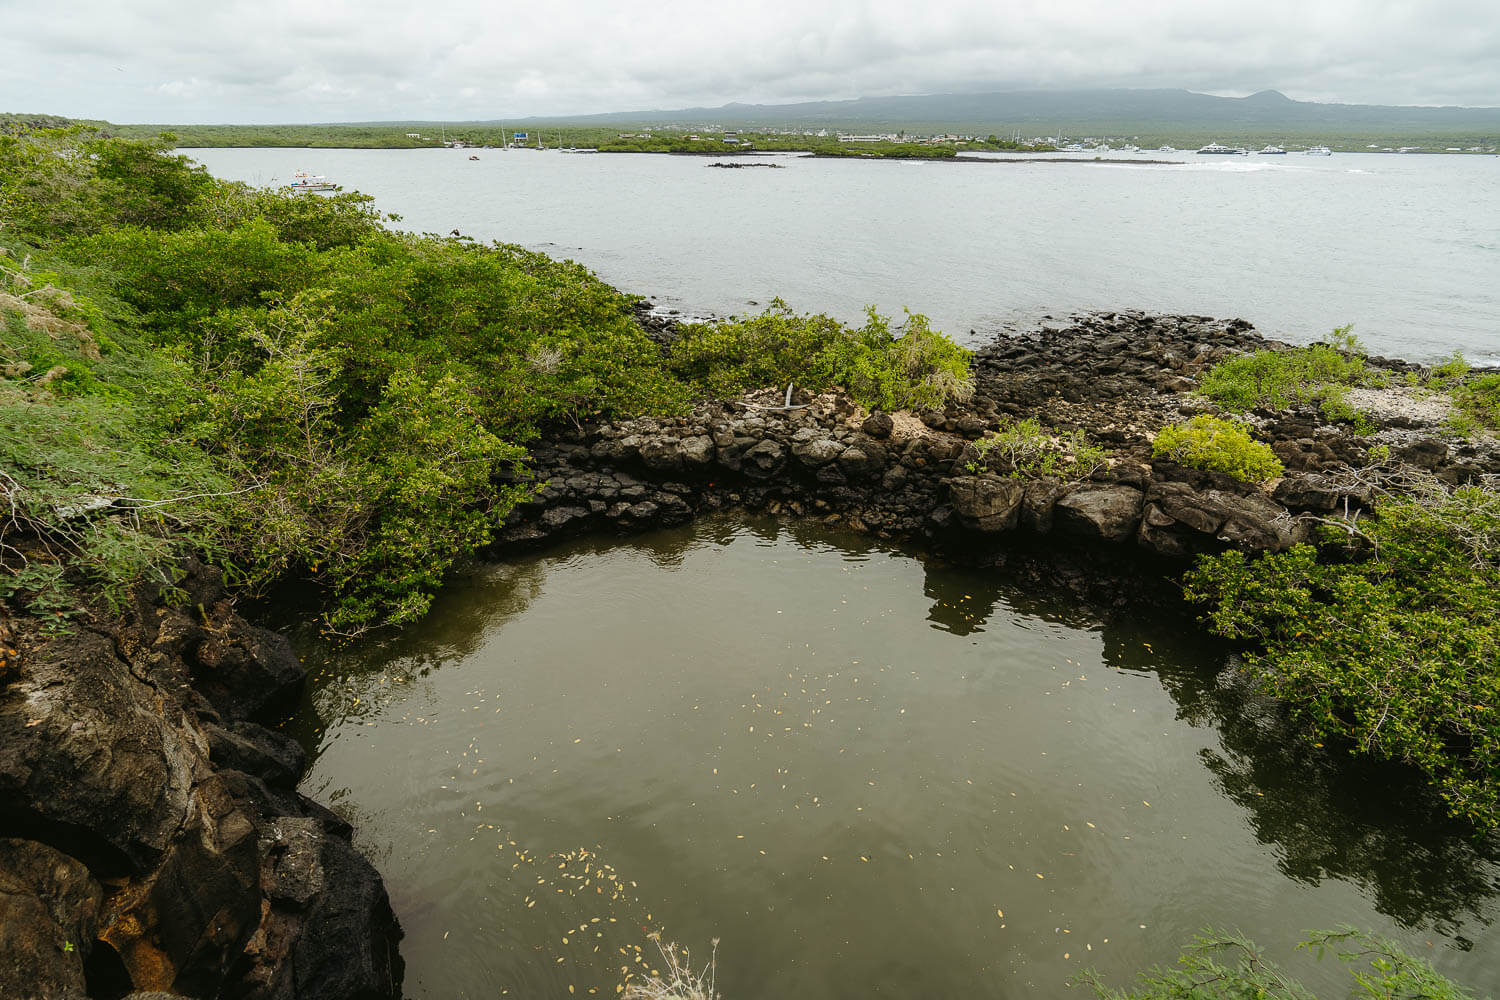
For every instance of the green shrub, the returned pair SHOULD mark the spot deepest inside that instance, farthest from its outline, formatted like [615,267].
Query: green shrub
[1395,653]
[95,495]
[1024,448]
[910,366]
[1320,373]
[63,182]
[1220,965]
[285,385]
[1446,376]
[1479,400]
[1218,445]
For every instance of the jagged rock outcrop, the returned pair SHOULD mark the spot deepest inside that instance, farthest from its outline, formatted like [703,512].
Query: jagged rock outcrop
[50,905]
[153,837]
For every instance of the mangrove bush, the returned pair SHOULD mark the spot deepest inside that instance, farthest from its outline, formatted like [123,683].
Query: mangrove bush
[291,387]
[1388,642]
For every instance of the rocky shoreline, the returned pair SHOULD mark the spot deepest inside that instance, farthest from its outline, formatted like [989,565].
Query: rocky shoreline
[152,839]
[1120,377]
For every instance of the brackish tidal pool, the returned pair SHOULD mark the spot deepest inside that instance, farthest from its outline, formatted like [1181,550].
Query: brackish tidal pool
[865,773]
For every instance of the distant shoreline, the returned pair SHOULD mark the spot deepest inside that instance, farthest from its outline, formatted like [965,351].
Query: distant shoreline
[804,154]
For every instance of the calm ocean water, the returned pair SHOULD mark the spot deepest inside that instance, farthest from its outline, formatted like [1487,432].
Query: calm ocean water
[1405,247]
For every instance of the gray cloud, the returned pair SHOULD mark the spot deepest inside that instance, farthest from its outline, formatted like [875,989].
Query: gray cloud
[285,61]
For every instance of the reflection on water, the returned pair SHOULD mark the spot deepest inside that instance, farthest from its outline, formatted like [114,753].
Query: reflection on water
[1337,816]
[865,773]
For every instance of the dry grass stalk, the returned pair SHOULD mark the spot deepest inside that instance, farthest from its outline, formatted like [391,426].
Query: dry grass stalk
[676,980]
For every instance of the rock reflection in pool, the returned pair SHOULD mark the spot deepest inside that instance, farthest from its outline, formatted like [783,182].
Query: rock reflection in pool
[865,774]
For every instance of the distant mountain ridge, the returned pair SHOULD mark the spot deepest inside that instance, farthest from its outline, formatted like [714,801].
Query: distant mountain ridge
[1063,109]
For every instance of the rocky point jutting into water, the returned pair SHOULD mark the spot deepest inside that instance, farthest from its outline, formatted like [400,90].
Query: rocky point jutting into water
[1120,377]
[152,838]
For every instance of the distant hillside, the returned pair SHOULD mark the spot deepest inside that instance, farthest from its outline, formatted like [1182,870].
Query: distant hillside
[1082,111]
[1149,117]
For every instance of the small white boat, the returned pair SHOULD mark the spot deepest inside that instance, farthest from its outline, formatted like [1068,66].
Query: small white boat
[1319,151]
[1166,149]
[304,181]
[1273,151]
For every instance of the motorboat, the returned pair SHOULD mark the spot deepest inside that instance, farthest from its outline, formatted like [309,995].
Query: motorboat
[1273,151]
[304,181]
[1214,149]
[1319,151]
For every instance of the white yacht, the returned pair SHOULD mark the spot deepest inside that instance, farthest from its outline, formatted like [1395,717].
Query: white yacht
[1214,149]
[304,181]
[1273,151]
[1319,151]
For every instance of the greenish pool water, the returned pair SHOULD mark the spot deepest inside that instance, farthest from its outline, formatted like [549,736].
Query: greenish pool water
[866,774]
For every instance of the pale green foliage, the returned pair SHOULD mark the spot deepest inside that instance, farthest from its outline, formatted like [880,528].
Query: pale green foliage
[1024,448]
[380,507]
[1479,400]
[905,367]
[85,482]
[1321,373]
[1218,445]
[1449,374]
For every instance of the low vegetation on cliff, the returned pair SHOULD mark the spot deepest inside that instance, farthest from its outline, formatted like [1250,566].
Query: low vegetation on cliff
[297,390]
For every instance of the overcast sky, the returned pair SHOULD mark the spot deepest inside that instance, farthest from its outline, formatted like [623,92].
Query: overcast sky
[347,60]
